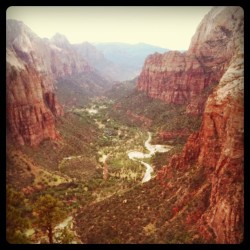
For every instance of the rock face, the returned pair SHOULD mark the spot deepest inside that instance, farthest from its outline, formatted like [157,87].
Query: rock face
[55,57]
[224,151]
[218,145]
[33,64]
[25,120]
[180,78]
[31,105]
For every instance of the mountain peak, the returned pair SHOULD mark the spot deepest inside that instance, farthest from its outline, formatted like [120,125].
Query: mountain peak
[60,40]
[16,29]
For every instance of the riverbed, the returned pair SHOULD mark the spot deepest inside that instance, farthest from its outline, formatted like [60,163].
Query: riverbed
[133,155]
[136,155]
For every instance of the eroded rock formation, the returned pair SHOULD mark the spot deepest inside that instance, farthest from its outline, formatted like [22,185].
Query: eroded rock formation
[33,64]
[30,114]
[218,146]
[181,78]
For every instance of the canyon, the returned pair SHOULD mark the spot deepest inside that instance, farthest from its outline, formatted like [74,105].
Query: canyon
[66,117]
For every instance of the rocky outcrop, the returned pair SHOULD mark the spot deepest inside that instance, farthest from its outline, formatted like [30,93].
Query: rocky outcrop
[33,66]
[218,146]
[97,60]
[179,78]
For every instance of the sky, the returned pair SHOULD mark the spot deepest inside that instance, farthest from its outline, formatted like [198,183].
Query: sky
[167,27]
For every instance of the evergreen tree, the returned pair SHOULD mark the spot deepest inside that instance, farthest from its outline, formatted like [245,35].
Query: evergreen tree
[49,212]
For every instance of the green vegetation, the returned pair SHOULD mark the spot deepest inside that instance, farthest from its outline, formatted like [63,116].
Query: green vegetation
[77,90]
[77,137]
[95,137]
[119,90]
[18,165]
[148,213]
[16,217]
[169,117]
[49,212]
[65,236]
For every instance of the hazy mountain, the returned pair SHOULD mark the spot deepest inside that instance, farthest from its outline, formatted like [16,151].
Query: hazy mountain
[97,60]
[127,58]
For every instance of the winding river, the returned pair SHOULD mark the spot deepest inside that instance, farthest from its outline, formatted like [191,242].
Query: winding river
[133,155]
[136,155]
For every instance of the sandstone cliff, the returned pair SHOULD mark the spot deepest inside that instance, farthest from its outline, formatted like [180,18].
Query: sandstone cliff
[33,64]
[30,112]
[218,146]
[181,78]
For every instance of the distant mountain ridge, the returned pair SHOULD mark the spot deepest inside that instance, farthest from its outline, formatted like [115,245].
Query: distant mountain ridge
[121,52]
[129,57]
[116,61]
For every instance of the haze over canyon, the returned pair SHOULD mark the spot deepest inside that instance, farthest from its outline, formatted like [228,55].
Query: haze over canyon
[117,143]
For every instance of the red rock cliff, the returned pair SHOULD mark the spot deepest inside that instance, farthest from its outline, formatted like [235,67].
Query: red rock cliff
[218,145]
[30,111]
[32,66]
[180,78]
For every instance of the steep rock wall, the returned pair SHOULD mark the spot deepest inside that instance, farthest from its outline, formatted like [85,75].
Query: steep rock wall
[30,116]
[219,149]
[179,78]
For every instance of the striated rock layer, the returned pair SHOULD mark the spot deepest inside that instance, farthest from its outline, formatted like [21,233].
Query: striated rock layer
[180,78]
[30,108]
[218,145]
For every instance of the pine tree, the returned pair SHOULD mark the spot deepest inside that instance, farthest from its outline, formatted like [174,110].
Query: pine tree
[49,212]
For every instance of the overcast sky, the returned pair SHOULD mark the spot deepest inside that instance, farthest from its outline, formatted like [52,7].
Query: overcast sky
[168,27]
